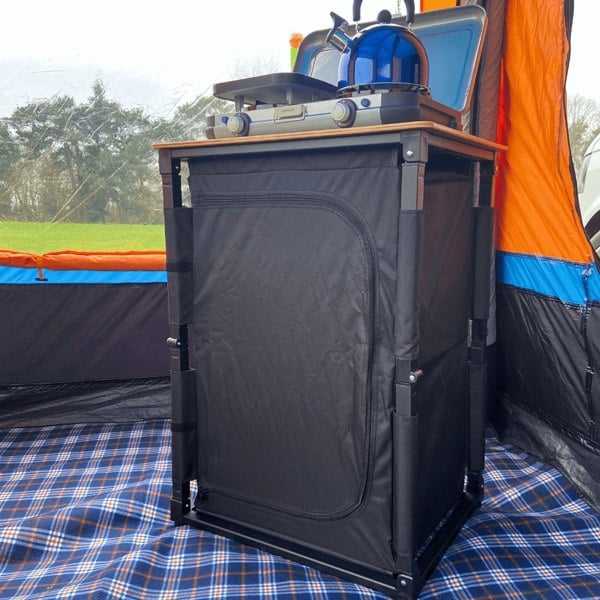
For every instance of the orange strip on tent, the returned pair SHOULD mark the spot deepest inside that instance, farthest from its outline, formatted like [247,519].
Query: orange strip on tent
[68,260]
[536,193]
[18,259]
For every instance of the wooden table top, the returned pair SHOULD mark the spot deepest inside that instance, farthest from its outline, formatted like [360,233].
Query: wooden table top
[427,126]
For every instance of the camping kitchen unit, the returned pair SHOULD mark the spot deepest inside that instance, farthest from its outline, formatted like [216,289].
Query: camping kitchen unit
[328,297]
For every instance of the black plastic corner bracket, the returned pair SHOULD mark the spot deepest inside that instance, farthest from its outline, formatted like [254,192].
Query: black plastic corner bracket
[180,502]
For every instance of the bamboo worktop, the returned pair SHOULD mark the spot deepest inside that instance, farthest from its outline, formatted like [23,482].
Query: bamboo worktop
[428,126]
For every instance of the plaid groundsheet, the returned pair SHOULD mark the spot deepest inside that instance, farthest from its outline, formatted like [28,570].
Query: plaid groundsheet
[84,514]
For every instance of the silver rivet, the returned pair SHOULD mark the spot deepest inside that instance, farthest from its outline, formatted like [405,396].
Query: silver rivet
[410,153]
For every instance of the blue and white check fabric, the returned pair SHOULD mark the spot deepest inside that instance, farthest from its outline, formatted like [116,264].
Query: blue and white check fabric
[84,514]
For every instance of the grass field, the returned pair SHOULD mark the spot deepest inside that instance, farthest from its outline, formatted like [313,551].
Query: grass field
[39,238]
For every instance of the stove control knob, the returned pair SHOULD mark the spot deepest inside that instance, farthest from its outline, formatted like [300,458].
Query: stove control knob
[344,112]
[239,124]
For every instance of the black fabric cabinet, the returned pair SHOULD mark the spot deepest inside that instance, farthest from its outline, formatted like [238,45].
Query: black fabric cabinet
[328,299]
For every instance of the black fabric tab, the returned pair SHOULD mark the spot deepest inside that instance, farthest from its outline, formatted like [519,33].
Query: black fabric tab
[183,427]
[181,266]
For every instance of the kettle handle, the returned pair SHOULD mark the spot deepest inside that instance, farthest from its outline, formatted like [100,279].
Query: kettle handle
[410,11]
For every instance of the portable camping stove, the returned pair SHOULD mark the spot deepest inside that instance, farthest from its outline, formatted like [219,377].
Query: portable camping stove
[292,102]
[308,98]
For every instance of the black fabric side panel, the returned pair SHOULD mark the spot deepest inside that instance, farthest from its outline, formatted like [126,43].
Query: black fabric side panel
[37,406]
[446,273]
[580,463]
[542,359]
[443,397]
[445,292]
[67,333]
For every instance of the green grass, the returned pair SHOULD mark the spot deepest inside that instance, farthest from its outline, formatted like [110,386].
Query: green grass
[39,238]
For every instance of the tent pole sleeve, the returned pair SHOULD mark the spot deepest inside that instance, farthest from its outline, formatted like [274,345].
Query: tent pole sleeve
[183,441]
[405,414]
[484,226]
[405,443]
[414,157]
[477,389]
[178,236]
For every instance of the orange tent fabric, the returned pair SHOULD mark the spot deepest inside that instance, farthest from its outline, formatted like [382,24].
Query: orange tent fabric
[536,193]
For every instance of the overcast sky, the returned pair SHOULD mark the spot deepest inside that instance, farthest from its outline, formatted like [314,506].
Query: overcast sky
[159,54]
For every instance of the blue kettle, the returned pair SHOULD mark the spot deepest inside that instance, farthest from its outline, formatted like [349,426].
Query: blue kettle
[384,56]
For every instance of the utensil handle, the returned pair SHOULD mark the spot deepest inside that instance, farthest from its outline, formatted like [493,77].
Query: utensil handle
[410,11]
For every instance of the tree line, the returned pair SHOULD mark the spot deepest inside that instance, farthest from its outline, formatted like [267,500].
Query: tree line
[91,161]
[583,116]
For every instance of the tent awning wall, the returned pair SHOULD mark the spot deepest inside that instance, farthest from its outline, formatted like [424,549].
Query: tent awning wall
[536,191]
[549,284]
[85,337]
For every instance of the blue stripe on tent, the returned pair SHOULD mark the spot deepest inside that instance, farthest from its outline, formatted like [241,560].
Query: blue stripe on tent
[18,275]
[572,283]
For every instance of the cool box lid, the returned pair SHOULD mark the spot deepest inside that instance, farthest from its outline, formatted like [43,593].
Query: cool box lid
[453,39]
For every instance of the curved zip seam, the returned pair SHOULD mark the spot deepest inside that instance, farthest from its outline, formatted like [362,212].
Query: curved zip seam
[352,217]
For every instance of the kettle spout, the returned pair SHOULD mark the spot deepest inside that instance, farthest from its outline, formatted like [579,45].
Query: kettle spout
[337,35]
